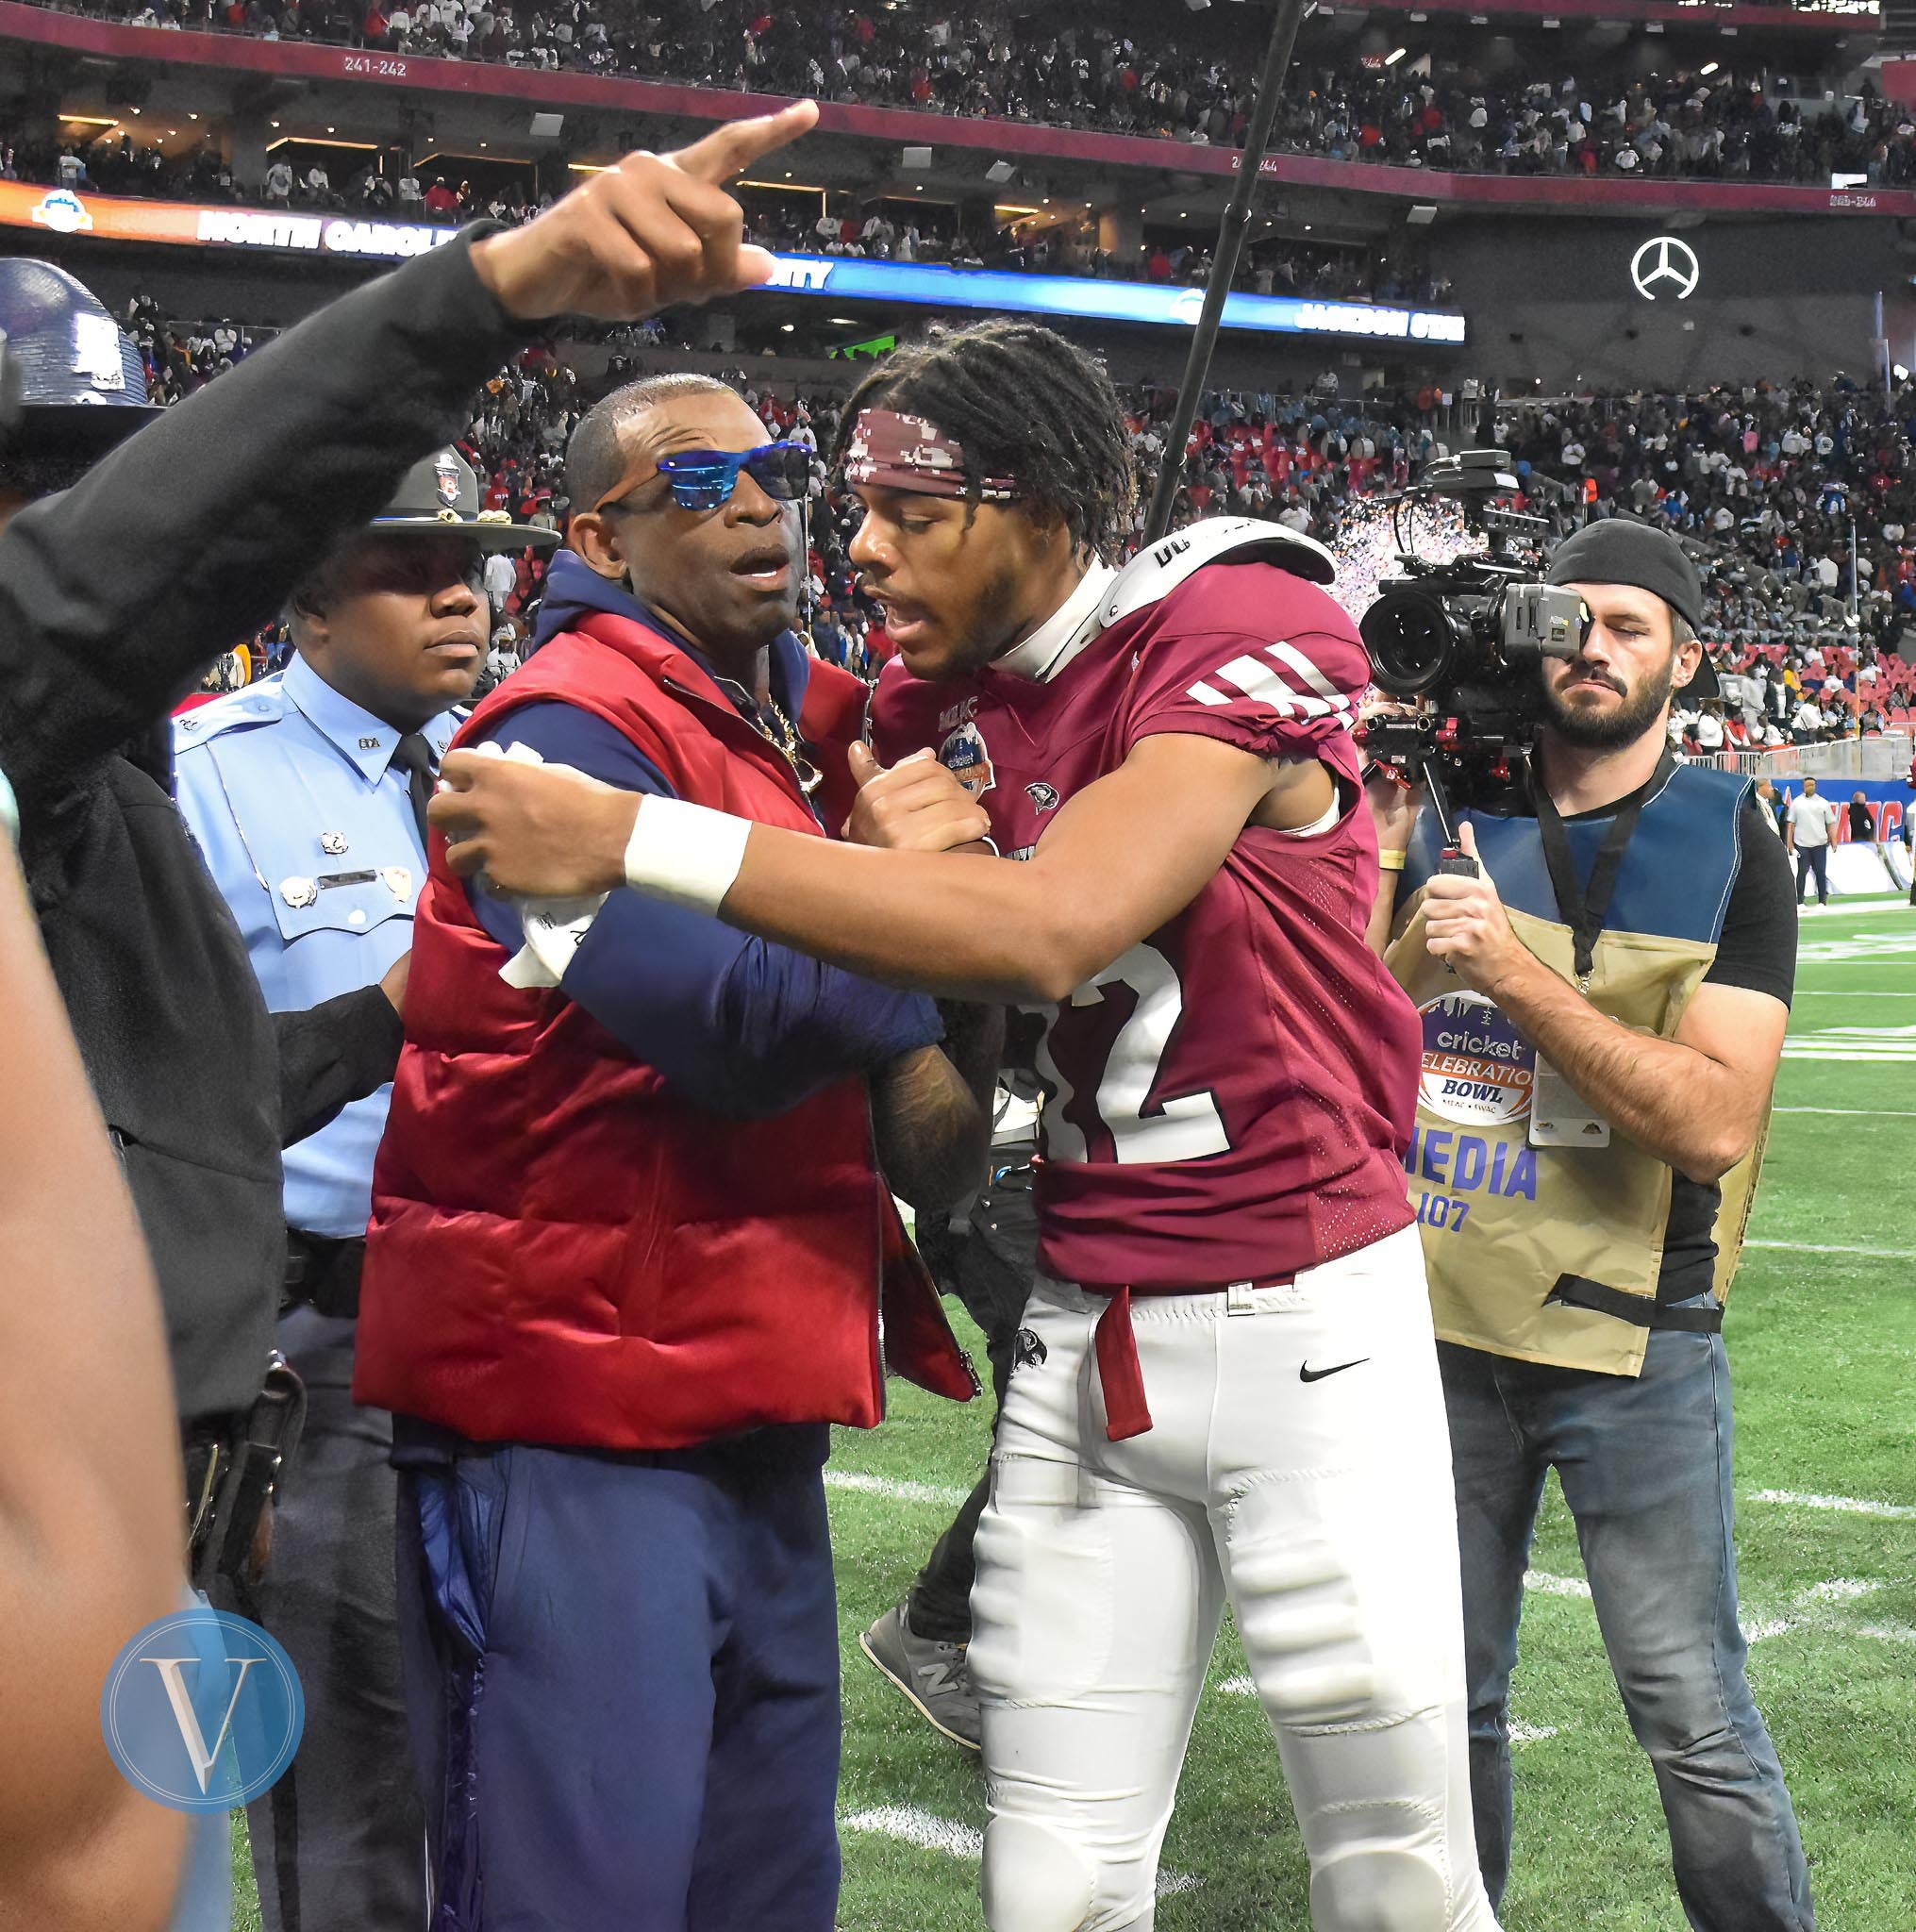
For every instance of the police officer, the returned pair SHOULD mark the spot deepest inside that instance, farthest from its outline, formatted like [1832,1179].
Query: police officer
[117,593]
[198,1088]
[307,794]
[1603,1012]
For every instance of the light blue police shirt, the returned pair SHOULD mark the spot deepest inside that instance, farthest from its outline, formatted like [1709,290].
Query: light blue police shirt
[306,827]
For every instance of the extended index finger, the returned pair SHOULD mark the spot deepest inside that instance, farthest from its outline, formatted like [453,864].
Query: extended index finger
[726,150]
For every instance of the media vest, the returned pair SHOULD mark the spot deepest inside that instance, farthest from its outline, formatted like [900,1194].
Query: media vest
[563,1250]
[1552,1253]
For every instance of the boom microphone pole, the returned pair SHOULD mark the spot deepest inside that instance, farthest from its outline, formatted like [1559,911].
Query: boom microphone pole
[1225,264]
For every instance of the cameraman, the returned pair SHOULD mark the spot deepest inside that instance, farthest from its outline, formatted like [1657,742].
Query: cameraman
[1604,1010]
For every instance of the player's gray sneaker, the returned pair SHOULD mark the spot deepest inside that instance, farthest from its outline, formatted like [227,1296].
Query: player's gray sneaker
[931,1674]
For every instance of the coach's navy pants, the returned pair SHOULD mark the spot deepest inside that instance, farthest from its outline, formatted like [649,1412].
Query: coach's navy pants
[622,1677]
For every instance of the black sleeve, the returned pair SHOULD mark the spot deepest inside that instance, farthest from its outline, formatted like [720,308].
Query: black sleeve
[116,593]
[1757,948]
[340,1051]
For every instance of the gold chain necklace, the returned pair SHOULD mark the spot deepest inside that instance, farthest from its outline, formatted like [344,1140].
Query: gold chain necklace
[785,741]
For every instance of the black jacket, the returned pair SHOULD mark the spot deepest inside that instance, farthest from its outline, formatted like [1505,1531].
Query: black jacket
[114,595]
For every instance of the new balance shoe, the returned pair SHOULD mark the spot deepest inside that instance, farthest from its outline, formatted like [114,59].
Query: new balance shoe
[931,1674]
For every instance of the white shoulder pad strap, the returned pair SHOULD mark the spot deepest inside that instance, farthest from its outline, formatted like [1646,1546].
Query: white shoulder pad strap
[1157,571]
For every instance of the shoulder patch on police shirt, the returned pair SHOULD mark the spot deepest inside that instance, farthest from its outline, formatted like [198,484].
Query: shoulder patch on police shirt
[257,704]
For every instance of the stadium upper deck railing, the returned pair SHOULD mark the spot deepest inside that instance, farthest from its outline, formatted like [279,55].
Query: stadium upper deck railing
[1884,758]
[321,61]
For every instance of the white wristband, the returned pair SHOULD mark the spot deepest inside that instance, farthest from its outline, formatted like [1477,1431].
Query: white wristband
[686,854]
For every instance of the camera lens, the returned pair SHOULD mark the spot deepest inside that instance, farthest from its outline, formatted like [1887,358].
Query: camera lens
[1413,640]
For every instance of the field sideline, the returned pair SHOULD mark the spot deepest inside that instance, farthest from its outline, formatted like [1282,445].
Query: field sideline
[1822,1334]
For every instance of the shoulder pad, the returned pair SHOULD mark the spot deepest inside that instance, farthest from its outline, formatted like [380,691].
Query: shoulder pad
[259,704]
[1158,571]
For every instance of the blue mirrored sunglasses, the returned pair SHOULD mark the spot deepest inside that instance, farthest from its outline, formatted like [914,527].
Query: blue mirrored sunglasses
[705,479]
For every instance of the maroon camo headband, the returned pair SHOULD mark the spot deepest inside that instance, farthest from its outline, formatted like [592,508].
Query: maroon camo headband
[890,451]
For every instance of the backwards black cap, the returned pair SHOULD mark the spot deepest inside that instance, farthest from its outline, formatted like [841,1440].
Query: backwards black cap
[1620,550]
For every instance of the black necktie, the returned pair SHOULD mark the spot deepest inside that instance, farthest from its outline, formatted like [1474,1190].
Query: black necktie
[413,755]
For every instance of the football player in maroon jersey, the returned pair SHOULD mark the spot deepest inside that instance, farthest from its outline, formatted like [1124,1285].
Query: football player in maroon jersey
[1236,1397]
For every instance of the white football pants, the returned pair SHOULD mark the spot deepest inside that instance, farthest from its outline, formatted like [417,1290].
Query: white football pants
[1322,1507]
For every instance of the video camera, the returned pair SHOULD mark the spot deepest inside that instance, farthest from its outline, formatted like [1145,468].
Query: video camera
[1466,639]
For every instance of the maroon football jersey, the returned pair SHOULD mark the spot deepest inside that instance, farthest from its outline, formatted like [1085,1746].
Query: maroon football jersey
[1229,1101]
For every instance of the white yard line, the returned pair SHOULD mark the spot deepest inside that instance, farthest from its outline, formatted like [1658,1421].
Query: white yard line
[925,1829]
[912,1825]
[1856,1113]
[1886,1633]
[1849,1505]
[1546,1585]
[900,1491]
[1837,1248]
[1809,1609]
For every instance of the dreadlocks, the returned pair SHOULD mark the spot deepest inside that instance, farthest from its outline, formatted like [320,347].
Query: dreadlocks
[1026,403]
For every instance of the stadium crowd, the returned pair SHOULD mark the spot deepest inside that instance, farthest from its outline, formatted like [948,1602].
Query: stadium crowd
[1277,266]
[116,164]
[1771,485]
[1800,503]
[357,1256]
[1431,112]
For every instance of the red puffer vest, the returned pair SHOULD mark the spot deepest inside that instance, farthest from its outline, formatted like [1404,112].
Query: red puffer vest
[563,1250]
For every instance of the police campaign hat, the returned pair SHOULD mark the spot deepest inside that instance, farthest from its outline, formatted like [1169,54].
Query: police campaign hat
[74,384]
[441,494]
[1620,550]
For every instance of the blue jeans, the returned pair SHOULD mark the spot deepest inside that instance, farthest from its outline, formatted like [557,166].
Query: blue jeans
[1645,1462]
[1813,861]
[622,1675]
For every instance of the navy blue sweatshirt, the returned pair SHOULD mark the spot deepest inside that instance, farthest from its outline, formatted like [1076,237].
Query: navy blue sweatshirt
[739,1026]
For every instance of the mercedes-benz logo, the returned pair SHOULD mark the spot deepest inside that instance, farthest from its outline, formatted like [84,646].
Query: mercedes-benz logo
[1665,260]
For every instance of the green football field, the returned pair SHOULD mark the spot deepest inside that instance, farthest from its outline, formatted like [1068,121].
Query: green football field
[1822,1334]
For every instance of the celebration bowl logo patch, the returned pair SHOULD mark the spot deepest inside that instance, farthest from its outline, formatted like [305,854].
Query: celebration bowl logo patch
[964,756]
[1478,1070]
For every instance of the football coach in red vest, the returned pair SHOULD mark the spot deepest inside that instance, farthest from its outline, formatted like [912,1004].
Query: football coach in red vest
[630,1242]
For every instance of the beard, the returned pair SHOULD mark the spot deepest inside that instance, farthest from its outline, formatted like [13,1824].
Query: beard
[1641,708]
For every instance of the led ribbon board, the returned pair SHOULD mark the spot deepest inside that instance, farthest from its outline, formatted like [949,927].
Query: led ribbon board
[851,277]
[66,212]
